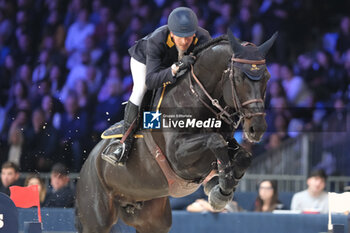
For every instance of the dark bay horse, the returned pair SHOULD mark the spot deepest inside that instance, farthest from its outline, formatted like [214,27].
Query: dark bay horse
[227,83]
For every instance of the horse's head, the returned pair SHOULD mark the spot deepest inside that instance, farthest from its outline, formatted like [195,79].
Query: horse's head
[245,85]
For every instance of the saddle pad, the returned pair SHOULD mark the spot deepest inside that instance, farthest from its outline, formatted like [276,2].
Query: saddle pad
[116,131]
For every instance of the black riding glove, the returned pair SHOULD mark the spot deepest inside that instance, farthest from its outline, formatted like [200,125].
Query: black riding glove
[180,73]
[186,62]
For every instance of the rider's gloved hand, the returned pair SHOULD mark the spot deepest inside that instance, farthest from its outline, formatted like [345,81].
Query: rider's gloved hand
[186,62]
[180,73]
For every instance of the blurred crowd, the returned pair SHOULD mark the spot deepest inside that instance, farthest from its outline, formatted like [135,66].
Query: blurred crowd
[65,72]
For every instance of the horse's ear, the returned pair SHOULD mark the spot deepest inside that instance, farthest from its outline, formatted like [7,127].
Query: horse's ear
[265,47]
[235,44]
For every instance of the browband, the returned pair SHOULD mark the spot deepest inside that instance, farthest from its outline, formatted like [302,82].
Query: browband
[246,61]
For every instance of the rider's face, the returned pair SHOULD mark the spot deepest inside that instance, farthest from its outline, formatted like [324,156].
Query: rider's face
[182,43]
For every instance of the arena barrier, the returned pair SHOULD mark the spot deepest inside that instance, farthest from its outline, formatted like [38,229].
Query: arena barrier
[249,182]
[62,220]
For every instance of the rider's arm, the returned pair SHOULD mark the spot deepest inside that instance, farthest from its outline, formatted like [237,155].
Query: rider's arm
[156,74]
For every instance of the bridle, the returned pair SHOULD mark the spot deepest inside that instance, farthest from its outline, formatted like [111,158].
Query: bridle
[235,118]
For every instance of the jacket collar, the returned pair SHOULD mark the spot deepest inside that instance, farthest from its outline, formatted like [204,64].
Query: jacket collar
[170,43]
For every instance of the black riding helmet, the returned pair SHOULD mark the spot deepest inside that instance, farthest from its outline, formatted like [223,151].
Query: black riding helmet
[183,22]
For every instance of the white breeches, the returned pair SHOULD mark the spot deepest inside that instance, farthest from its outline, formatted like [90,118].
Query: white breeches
[138,72]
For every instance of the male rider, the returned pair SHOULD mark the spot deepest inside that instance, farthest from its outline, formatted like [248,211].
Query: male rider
[156,60]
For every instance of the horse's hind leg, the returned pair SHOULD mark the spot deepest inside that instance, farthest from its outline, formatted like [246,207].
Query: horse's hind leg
[154,217]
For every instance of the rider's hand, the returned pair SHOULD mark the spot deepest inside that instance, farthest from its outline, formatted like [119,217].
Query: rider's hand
[180,73]
[186,62]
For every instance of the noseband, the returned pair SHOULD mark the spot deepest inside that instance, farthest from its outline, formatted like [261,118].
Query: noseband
[235,118]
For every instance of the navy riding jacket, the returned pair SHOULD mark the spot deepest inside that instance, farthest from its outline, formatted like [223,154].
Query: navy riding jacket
[158,51]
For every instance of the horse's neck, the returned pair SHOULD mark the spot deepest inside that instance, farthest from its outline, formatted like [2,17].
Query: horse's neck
[210,66]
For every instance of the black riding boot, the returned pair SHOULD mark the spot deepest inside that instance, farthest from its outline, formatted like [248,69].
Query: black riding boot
[120,154]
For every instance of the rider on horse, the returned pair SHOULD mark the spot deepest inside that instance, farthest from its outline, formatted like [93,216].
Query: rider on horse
[158,59]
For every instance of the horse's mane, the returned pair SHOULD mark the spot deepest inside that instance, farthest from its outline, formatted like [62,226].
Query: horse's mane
[211,42]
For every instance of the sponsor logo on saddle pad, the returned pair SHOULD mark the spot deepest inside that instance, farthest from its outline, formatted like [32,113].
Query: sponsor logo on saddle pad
[155,120]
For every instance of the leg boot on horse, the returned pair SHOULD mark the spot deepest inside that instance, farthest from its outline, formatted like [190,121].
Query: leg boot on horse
[221,187]
[120,154]
[241,159]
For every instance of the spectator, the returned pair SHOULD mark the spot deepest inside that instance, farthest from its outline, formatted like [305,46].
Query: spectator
[54,27]
[59,194]
[343,42]
[244,24]
[16,136]
[86,101]
[78,32]
[41,70]
[94,80]
[25,75]
[274,141]
[39,90]
[7,73]
[77,72]
[297,92]
[41,144]
[18,95]
[72,132]
[15,140]
[314,198]
[113,74]
[73,10]
[35,179]
[267,199]
[104,15]
[6,26]
[24,52]
[57,54]
[51,107]
[56,76]
[110,109]
[9,177]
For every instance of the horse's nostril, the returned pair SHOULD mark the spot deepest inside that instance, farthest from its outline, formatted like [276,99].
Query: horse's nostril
[251,130]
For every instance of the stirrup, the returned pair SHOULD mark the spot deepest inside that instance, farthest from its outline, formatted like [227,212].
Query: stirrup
[111,156]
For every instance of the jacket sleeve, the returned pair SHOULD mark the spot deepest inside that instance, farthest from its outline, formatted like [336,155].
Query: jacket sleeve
[156,75]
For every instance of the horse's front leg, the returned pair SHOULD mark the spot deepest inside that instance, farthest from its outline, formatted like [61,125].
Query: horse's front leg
[240,157]
[221,193]
[191,148]
[230,171]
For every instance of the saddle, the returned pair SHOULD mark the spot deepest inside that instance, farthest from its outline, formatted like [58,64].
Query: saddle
[116,131]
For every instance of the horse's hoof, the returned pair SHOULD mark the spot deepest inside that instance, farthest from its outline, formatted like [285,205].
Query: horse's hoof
[218,200]
[210,184]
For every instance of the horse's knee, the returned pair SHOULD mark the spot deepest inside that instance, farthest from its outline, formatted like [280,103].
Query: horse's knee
[242,158]
[216,141]
[239,156]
